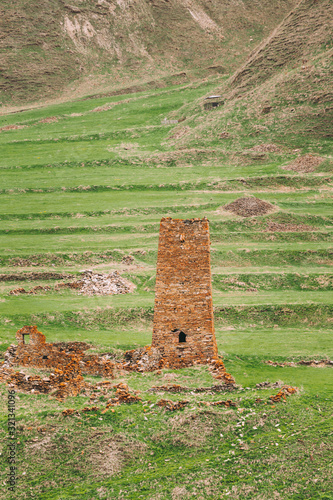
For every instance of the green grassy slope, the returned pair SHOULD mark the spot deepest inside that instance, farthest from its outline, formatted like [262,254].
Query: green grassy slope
[85,189]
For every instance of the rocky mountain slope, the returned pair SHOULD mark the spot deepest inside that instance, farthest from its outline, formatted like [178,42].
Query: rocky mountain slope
[87,46]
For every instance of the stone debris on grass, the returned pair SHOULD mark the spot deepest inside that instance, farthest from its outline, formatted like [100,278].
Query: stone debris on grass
[177,405]
[104,284]
[127,259]
[35,290]
[123,396]
[90,283]
[285,391]
[228,403]
[269,385]
[218,371]
[304,164]
[171,405]
[249,207]
[312,362]
[176,388]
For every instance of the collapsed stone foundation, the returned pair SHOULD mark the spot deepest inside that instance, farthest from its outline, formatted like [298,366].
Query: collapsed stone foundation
[62,383]
[40,354]
[66,360]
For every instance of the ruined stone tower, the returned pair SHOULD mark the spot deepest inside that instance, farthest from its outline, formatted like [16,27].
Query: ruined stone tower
[183,317]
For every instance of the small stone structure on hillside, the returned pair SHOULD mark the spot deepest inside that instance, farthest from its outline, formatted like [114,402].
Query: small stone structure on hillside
[213,101]
[183,329]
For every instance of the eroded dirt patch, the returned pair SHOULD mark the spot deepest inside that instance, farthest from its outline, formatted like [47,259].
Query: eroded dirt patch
[279,227]
[32,276]
[49,119]
[12,127]
[266,148]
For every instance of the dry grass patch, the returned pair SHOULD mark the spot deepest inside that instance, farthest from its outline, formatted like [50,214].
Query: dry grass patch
[304,164]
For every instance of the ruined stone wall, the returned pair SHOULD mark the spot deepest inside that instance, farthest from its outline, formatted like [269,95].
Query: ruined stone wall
[32,350]
[62,383]
[183,316]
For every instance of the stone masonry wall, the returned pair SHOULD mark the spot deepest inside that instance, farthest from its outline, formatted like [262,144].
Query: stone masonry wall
[183,316]
[33,350]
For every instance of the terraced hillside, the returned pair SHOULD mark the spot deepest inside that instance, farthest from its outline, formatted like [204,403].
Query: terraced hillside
[84,186]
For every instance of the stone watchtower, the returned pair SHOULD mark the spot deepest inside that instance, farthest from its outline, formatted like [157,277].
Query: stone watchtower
[183,316]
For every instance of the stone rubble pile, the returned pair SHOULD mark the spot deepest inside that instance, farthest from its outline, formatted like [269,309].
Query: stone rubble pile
[64,382]
[104,284]
[286,390]
[143,359]
[171,405]
[90,283]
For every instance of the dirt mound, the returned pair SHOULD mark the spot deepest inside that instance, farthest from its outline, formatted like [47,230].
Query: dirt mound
[249,207]
[266,148]
[304,164]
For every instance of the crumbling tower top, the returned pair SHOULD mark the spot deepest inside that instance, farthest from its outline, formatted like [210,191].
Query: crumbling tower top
[183,316]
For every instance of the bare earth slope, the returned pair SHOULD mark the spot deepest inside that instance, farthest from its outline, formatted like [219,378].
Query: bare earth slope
[301,36]
[284,88]
[46,45]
